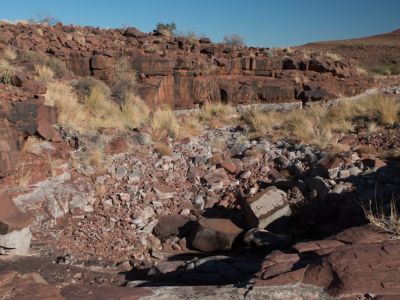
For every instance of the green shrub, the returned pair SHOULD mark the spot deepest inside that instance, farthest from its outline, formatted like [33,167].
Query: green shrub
[166,28]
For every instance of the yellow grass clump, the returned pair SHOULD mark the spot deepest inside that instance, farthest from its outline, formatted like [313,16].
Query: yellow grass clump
[134,111]
[6,71]
[332,55]
[44,73]
[215,114]
[165,119]
[387,220]
[72,113]
[9,54]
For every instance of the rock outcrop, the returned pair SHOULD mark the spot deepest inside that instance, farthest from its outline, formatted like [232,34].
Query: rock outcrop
[186,72]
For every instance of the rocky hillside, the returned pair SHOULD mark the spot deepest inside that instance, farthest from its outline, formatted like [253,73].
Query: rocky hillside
[185,72]
[107,192]
[378,53]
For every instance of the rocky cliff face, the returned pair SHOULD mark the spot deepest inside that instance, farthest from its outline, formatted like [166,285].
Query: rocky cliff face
[185,72]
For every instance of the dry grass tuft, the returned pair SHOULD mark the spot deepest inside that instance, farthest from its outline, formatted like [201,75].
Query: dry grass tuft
[189,127]
[386,109]
[9,54]
[386,219]
[323,125]
[6,71]
[23,176]
[72,113]
[215,114]
[163,150]
[332,55]
[165,119]
[58,67]
[260,121]
[123,80]
[95,109]
[44,73]
[35,146]
[134,111]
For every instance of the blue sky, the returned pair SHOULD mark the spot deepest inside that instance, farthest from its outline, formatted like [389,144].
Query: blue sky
[267,23]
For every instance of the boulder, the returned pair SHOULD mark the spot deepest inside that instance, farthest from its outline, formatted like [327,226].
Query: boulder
[164,192]
[14,226]
[34,87]
[9,150]
[153,65]
[217,179]
[30,118]
[100,62]
[117,145]
[212,235]
[171,225]
[46,117]
[318,187]
[265,207]
[328,167]
[373,163]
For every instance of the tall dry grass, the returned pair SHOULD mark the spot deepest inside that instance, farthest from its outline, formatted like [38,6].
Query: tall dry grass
[323,125]
[44,73]
[6,71]
[387,220]
[215,114]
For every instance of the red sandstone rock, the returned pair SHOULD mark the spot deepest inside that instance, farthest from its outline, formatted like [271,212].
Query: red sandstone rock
[11,218]
[265,207]
[214,235]
[9,150]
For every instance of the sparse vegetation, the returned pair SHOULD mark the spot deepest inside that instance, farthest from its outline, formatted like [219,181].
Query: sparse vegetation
[6,71]
[134,111]
[44,73]
[35,146]
[234,40]
[323,125]
[385,218]
[57,66]
[385,69]
[9,54]
[166,28]
[84,85]
[332,55]
[43,19]
[94,108]
[23,175]
[164,120]
[215,114]
[124,80]
[163,150]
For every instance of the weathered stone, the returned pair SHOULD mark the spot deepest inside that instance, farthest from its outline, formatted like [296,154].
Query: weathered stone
[217,179]
[164,192]
[318,187]
[265,207]
[9,150]
[373,163]
[229,166]
[171,225]
[117,145]
[214,235]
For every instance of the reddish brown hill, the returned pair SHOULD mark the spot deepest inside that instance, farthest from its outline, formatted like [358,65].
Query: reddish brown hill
[183,71]
[379,53]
